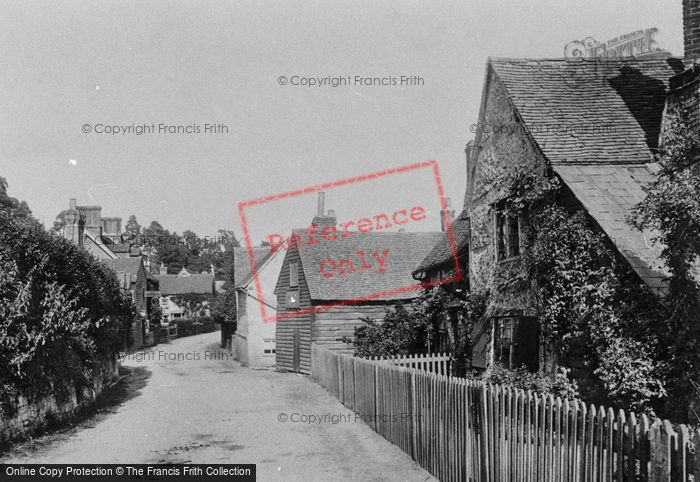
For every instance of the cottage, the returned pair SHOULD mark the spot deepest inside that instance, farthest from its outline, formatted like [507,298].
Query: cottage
[185,295]
[324,309]
[598,140]
[254,341]
[447,265]
[102,237]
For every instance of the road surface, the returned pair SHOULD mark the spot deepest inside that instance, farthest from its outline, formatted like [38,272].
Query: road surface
[188,401]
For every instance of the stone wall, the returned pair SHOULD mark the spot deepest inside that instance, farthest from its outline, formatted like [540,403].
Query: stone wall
[33,417]
[504,148]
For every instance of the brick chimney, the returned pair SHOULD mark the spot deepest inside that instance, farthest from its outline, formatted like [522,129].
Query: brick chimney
[74,224]
[323,219]
[691,31]
[684,88]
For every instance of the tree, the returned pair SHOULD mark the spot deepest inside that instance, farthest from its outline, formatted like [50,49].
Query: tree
[672,208]
[132,230]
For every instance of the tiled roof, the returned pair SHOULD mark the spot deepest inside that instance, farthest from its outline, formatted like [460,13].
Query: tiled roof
[126,265]
[172,284]
[243,269]
[608,194]
[442,251]
[403,253]
[590,112]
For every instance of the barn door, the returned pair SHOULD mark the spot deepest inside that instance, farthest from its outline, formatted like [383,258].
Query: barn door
[295,351]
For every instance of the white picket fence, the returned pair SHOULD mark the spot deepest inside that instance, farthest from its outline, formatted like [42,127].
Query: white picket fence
[438,363]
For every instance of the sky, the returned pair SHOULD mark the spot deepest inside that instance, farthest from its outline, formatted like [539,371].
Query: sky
[76,66]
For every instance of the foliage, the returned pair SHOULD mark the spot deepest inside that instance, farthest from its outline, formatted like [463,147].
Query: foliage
[412,328]
[521,378]
[195,326]
[132,229]
[224,307]
[590,307]
[190,251]
[62,313]
[155,315]
[672,209]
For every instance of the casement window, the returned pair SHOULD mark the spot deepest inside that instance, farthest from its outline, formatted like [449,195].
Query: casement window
[515,342]
[507,233]
[503,342]
[293,274]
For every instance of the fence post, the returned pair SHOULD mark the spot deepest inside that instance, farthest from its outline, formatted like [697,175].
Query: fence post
[413,413]
[660,448]
[485,433]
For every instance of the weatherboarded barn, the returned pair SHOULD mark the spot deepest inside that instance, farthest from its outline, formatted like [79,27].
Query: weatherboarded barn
[325,287]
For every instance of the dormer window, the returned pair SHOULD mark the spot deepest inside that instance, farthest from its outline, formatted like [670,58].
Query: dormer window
[507,233]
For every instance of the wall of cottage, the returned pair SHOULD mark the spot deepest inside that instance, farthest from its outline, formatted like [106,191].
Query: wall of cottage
[34,416]
[504,149]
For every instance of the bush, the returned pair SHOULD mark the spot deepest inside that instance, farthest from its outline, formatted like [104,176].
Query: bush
[63,315]
[195,326]
[521,378]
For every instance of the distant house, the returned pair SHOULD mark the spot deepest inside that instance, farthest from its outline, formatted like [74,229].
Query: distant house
[254,341]
[134,278]
[84,226]
[359,292]
[102,237]
[185,295]
[440,268]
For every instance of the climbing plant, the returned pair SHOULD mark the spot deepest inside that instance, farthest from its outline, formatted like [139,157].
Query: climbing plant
[594,313]
[671,208]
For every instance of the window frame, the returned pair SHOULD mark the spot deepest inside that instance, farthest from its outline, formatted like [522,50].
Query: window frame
[507,233]
[293,274]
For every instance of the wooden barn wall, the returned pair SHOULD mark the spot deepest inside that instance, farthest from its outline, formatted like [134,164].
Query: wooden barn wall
[284,332]
[330,326]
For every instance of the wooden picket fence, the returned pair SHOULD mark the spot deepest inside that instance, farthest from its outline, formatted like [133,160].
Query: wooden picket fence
[439,363]
[466,430]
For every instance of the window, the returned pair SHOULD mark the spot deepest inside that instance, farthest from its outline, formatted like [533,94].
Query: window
[269,346]
[507,233]
[515,342]
[503,342]
[293,274]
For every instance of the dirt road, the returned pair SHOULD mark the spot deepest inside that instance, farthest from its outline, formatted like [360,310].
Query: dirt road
[188,401]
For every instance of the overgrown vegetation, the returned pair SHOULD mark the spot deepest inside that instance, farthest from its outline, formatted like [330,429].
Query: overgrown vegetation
[412,328]
[62,313]
[559,385]
[672,209]
[631,348]
[195,326]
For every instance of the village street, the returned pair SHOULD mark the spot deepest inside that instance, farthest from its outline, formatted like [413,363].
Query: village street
[209,409]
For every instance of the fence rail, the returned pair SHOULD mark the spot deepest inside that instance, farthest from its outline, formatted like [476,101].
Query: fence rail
[439,363]
[466,430]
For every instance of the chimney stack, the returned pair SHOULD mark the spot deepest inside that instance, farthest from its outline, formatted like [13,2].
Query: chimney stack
[447,215]
[72,204]
[320,211]
[322,219]
[691,31]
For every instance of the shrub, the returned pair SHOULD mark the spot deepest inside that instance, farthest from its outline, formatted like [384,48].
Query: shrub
[521,378]
[62,312]
[195,326]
